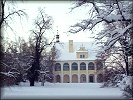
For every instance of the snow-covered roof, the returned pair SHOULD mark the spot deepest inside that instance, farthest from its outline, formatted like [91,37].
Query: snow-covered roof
[65,55]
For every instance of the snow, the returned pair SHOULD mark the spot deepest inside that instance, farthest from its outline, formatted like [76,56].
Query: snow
[65,55]
[61,90]
[10,74]
[119,33]
[126,81]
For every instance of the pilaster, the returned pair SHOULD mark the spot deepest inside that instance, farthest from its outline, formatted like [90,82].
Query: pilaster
[78,72]
[61,72]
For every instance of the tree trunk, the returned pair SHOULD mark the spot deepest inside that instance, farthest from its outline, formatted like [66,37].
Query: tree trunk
[32,80]
[43,80]
[127,69]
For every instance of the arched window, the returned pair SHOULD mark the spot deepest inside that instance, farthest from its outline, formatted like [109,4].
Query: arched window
[99,65]
[82,66]
[83,78]
[58,78]
[100,78]
[74,78]
[57,67]
[66,66]
[91,78]
[66,79]
[74,66]
[91,66]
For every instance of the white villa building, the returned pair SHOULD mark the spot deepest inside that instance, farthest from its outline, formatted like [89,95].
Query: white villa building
[77,63]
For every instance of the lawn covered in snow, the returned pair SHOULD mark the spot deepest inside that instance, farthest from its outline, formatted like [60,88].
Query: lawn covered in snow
[61,91]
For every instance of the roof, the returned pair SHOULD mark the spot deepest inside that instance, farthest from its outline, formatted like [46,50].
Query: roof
[65,55]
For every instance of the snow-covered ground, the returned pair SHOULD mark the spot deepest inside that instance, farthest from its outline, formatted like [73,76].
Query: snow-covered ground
[61,91]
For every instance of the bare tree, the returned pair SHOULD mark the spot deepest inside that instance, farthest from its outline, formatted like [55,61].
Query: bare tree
[5,16]
[42,23]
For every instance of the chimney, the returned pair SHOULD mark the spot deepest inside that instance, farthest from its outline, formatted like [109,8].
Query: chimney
[70,46]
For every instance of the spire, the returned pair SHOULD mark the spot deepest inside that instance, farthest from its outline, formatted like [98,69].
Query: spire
[57,30]
[82,45]
[57,36]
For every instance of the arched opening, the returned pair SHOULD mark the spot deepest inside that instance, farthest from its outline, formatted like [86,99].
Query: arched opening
[82,66]
[57,67]
[91,66]
[66,79]
[58,78]
[66,67]
[99,78]
[99,65]
[83,78]
[74,78]
[91,78]
[74,66]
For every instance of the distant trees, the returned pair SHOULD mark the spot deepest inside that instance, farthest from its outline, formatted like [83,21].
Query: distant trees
[16,59]
[8,59]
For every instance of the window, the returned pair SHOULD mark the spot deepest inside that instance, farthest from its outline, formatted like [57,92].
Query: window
[82,66]
[82,56]
[84,79]
[91,66]
[66,66]
[74,66]
[57,67]
[99,66]
[91,77]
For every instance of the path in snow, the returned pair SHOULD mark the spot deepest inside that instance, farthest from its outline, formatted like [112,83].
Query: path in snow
[61,91]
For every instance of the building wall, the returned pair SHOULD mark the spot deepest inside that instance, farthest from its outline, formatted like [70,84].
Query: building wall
[77,76]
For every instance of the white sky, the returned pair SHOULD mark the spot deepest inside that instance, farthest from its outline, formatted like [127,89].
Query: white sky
[60,12]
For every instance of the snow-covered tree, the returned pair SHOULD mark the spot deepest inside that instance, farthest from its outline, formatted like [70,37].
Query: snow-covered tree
[116,36]
[16,61]
[46,64]
[10,66]
[46,71]
[116,17]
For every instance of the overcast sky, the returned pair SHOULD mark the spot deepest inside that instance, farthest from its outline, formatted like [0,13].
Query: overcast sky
[62,17]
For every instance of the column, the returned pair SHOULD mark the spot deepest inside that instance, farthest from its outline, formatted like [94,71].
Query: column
[54,73]
[70,69]
[78,72]
[61,72]
[95,76]
[86,72]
